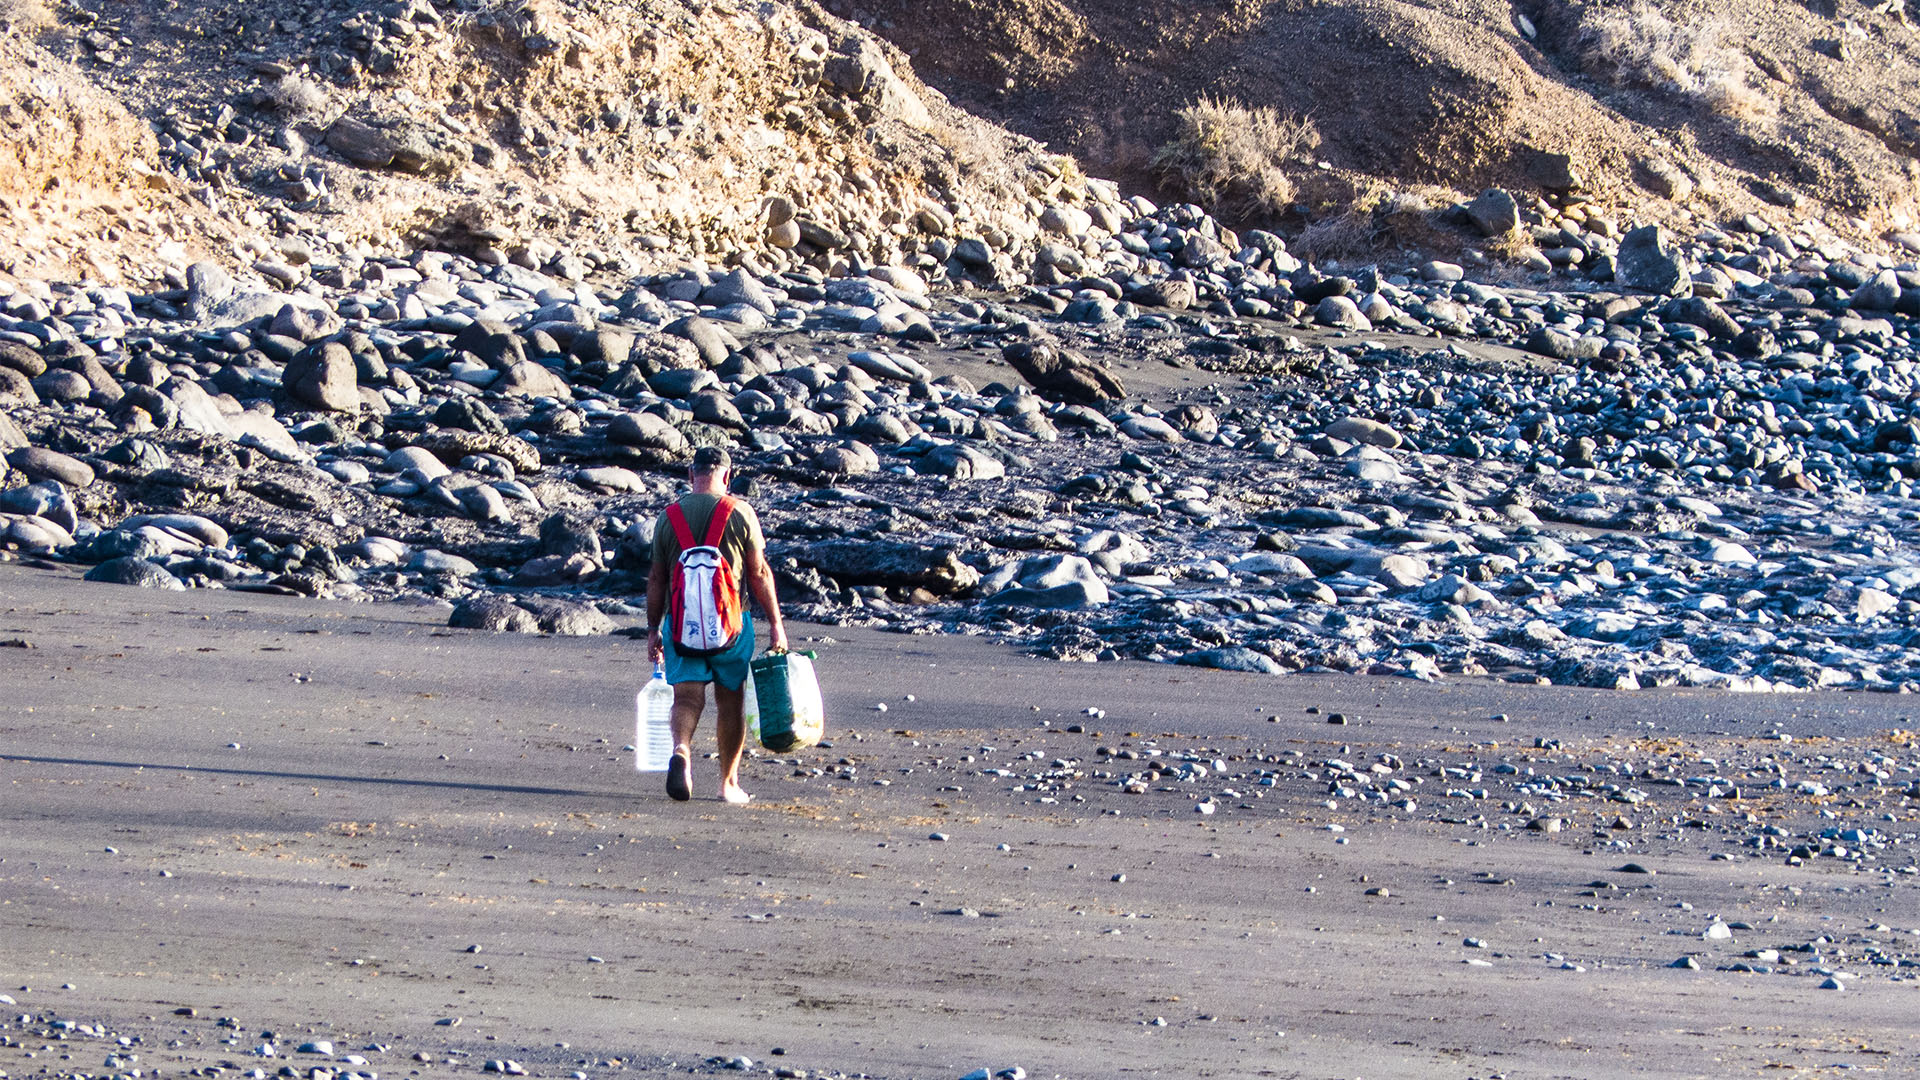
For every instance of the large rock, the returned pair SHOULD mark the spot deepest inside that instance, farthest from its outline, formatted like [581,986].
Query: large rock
[19,358]
[1361,429]
[496,613]
[890,563]
[133,571]
[1711,317]
[740,287]
[402,145]
[17,389]
[324,376]
[646,429]
[962,462]
[11,437]
[1646,263]
[452,446]
[567,618]
[1167,293]
[1233,658]
[529,378]
[39,463]
[1878,293]
[1494,213]
[1063,375]
[714,343]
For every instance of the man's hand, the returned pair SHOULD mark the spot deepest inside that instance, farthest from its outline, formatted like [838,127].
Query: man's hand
[656,650]
[778,639]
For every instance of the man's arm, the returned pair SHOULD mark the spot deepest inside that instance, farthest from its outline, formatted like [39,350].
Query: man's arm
[759,582]
[656,610]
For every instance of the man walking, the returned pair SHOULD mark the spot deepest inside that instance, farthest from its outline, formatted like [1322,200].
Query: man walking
[709,517]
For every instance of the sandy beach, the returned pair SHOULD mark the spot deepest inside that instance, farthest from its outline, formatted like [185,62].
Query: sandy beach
[349,824]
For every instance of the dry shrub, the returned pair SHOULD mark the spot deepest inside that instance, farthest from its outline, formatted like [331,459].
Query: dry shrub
[1359,229]
[293,97]
[1638,45]
[1233,159]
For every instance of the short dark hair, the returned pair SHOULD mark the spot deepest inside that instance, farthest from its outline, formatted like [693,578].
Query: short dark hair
[711,459]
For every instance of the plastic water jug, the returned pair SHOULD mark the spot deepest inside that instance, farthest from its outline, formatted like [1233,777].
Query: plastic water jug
[653,724]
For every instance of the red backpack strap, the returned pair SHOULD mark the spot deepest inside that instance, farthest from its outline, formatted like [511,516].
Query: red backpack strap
[682,531]
[717,524]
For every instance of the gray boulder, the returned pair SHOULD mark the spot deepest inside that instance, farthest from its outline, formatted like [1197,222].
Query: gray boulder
[890,563]
[134,571]
[1063,375]
[402,145]
[566,618]
[17,357]
[17,389]
[324,376]
[1233,658]
[1881,292]
[740,287]
[1646,263]
[1166,293]
[1341,313]
[39,463]
[1494,213]
[962,462]
[495,613]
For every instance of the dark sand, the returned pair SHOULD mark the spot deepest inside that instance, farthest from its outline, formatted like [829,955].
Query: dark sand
[401,793]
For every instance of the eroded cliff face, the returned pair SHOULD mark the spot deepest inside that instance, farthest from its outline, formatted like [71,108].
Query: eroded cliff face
[597,134]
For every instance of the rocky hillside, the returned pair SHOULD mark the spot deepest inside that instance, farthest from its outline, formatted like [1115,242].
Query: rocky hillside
[578,136]
[591,137]
[1659,109]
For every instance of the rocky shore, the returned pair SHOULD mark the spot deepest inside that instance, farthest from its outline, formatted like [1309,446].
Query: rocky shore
[1689,461]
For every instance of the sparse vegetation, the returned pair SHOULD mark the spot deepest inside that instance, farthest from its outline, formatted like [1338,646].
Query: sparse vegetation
[293,97]
[1356,229]
[1234,160]
[1639,45]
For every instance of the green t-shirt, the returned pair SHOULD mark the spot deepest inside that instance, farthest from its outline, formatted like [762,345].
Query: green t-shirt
[742,534]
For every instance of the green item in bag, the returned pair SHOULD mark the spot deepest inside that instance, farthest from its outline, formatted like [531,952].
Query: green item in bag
[783,704]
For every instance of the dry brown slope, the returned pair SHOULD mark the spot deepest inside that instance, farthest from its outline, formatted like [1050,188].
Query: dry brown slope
[1756,100]
[604,129]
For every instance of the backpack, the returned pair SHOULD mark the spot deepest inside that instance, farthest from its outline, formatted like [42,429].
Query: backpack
[701,598]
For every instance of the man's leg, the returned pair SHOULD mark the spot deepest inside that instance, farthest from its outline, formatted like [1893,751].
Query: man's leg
[732,730]
[689,700]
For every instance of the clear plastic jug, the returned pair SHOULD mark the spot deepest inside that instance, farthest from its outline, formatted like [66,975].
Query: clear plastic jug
[653,724]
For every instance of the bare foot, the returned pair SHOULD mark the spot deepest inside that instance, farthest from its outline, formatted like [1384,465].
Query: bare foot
[733,793]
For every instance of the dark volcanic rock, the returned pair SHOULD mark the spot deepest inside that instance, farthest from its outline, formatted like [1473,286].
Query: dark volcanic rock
[133,571]
[891,563]
[496,613]
[1063,375]
[39,463]
[567,618]
[324,377]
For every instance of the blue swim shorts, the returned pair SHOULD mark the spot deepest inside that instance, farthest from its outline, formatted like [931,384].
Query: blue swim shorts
[729,668]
